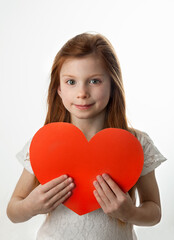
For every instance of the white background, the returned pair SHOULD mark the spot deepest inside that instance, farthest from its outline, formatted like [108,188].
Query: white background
[32,32]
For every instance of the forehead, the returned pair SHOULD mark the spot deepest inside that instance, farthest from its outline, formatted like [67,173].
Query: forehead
[90,63]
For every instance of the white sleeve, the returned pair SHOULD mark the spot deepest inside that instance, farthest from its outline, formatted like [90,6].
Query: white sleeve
[152,156]
[24,158]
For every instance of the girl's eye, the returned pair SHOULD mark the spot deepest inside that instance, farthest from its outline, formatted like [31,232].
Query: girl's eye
[70,81]
[94,80]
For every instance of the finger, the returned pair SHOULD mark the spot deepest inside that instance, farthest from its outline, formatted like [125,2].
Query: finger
[113,185]
[58,188]
[61,194]
[107,190]
[57,203]
[49,185]
[101,193]
[99,200]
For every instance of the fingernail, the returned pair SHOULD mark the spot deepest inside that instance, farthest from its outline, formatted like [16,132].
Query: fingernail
[95,182]
[105,175]
[99,177]
[95,192]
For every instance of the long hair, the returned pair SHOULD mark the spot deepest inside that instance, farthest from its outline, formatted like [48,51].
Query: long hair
[79,46]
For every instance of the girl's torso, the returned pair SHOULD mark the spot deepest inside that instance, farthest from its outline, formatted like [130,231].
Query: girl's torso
[65,224]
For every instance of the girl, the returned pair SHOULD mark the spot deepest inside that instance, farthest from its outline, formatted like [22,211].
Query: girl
[86,89]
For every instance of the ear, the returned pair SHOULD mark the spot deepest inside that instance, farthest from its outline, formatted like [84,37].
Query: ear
[59,91]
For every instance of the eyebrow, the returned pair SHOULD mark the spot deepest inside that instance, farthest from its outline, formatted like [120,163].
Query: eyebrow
[97,74]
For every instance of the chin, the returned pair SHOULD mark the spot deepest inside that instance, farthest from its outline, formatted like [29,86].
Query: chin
[83,117]
[86,115]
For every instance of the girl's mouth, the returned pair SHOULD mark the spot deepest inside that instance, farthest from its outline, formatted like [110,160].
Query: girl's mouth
[83,107]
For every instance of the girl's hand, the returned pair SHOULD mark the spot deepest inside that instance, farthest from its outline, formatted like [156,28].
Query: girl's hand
[112,199]
[45,198]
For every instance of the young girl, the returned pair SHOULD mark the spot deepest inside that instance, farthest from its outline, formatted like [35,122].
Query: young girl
[86,89]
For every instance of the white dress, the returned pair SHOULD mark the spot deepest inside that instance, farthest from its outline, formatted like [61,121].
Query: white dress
[64,224]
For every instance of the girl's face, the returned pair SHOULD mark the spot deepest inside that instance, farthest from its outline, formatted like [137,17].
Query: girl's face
[84,87]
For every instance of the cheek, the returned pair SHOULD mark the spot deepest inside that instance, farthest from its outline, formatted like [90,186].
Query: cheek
[104,97]
[66,98]
[104,94]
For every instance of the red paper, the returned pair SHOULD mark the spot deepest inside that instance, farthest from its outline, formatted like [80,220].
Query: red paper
[61,148]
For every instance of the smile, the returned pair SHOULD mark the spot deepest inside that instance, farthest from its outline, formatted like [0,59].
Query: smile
[83,107]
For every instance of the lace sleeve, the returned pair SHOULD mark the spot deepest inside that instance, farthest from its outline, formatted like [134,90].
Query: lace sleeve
[24,158]
[152,156]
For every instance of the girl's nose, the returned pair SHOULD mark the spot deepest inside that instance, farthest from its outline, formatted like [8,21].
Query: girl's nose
[83,92]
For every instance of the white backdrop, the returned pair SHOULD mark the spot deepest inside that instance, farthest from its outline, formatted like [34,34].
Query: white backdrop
[32,32]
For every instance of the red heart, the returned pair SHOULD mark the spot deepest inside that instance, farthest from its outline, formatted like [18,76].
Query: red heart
[61,148]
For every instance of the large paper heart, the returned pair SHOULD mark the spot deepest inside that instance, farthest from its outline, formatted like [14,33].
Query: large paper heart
[61,148]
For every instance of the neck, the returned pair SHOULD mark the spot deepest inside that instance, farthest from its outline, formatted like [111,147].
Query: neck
[91,126]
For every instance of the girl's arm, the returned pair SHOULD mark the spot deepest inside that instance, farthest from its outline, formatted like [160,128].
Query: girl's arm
[31,198]
[16,209]
[149,211]
[118,204]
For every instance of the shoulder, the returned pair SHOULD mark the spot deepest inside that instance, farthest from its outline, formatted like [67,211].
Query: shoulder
[23,156]
[152,156]
[142,137]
